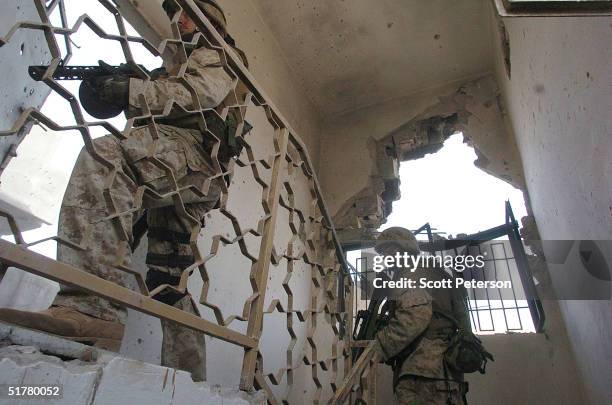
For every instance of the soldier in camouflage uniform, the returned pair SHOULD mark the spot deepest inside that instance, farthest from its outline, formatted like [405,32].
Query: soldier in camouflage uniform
[181,146]
[417,335]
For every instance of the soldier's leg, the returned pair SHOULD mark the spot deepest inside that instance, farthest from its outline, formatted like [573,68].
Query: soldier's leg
[95,192]
[184,348]
[169,253]
[423,391]
[104,244]
[408,392]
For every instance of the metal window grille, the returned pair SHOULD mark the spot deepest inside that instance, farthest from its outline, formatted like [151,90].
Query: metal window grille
[492,310]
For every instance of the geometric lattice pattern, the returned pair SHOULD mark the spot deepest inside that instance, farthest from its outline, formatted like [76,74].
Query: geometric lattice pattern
[269,243]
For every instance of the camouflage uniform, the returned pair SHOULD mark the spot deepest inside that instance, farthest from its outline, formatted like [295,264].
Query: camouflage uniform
[106,245]
[419,337]
[422,391]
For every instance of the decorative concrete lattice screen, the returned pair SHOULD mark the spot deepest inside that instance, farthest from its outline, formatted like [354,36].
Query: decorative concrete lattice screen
[269,271]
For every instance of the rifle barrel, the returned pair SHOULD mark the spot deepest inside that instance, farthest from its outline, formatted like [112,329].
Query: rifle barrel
[82,72]
[65,72]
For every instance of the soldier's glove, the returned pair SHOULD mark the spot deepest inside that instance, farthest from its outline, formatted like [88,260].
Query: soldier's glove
[105,97]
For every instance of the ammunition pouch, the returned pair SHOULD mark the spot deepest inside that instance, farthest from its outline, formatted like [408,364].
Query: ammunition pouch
[466,354]
[227,132]
[231,144]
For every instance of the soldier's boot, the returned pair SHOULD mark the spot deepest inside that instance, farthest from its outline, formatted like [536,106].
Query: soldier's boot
[68,324]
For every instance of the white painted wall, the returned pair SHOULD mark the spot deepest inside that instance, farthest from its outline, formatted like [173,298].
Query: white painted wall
[19,92]
[269,66]
[25,47]
[559,101]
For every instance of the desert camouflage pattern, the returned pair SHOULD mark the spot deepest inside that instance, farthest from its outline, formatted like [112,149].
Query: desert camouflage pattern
[103,247]
[204,73]
[422,377]
[416,313]
[427,360]
[183,348]
[420,391]
[412,316]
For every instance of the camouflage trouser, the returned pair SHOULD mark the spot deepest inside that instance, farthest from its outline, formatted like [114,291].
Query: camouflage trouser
[423,391]
[96,191]
[183,348]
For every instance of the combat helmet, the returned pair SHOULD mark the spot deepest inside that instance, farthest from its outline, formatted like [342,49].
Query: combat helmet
[210,8]
[400,236]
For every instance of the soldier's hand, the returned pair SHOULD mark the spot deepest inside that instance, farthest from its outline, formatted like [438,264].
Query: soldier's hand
[112,89]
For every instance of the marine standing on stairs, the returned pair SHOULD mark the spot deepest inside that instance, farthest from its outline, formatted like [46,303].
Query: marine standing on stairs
[418,335]
[182,146]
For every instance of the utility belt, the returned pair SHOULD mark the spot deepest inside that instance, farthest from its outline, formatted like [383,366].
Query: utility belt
[225,130]
[213,121]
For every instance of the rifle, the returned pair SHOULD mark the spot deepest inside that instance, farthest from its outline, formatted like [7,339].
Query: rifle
[87,94]
[86,72]
[369,321]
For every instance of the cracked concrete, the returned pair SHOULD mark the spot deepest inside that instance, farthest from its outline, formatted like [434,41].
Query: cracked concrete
[471,107]
[110,379]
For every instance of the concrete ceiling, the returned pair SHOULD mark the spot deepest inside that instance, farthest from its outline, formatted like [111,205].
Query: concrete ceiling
[354,53]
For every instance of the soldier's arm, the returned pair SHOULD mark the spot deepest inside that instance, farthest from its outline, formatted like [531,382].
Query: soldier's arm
[204,73]
[412,316]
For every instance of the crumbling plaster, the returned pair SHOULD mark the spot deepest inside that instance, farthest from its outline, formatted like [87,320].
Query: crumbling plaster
[359,185]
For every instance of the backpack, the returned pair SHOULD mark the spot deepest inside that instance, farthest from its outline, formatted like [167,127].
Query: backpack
[466,353]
